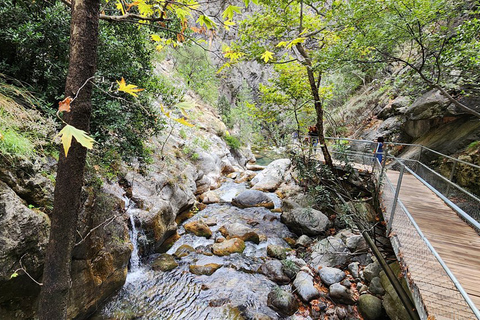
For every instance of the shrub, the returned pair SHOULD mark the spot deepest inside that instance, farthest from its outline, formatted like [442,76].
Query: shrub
[233,142]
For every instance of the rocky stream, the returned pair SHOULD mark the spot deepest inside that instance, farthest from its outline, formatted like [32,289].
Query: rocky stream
[250,255]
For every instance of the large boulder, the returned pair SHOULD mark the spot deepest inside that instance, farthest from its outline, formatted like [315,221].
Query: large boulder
[330,275]
[282,301]
[273,269]
[164,262]
[273,175]
[252,198]
[329,252]
[303,284]
[430,105]
[370,307]
[306,221]
[23,239]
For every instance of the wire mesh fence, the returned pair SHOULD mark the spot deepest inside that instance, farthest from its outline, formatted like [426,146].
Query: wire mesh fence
[456,180]
[436,292]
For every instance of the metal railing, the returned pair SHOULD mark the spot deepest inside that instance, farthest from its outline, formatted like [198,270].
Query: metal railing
[424,165]
[443,296]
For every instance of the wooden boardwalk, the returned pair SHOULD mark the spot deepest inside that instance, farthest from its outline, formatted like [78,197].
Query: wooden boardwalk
[456,242]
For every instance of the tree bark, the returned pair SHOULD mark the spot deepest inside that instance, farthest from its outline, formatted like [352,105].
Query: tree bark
[82,65]
[314,88]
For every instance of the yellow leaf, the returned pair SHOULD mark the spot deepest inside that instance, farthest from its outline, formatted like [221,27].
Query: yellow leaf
[81,136]
[184,122]
[156,37]
[128,88]
[267,55]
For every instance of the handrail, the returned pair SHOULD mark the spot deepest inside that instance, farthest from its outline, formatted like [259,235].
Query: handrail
[431,248]
[409,145]
[404,166]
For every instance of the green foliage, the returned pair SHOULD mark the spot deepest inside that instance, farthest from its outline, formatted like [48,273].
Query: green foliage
[194,66]
[233,142]
[437,39]
[34,42]
[15,144]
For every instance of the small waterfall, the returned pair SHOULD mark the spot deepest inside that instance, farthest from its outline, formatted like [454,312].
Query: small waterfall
[134,258]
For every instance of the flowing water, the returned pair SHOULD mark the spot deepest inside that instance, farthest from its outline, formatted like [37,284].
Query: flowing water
[235,291]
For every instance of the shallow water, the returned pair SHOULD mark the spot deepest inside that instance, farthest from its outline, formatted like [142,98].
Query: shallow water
[235,291]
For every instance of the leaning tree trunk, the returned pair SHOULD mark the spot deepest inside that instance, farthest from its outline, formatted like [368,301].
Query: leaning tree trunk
[83,56]
[314,88]
[319,111]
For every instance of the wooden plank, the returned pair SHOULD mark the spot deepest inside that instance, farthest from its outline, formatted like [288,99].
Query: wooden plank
[455,241]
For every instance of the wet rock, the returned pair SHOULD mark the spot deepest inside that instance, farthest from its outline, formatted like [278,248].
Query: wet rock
[198,228]
[277,252]
[306,221]
[353,268]
[370,307]
[252,198]
[238,230]
[290,241]
[228,247]
[183,251]
[273,269]
[164,262]
[282,301]
[303,241]
[291,266]
[209,197]
[303,284]
[329,252]
[375,287]
[207,269]
[205,250]
[371,271]
[341,294]
[273,175]
[330,275]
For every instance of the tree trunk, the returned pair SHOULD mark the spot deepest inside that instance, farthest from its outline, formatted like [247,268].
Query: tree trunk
[83,57]
[319,111]
[318,105]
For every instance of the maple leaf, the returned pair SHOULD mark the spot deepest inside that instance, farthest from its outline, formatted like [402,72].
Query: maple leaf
[128,88]
[64,105]
[267,55]
[81,136]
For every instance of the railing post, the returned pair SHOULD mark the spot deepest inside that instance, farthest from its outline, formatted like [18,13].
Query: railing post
[395,198]
[452,174]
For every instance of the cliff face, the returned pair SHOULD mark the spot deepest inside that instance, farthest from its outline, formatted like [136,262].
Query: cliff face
[185,162]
